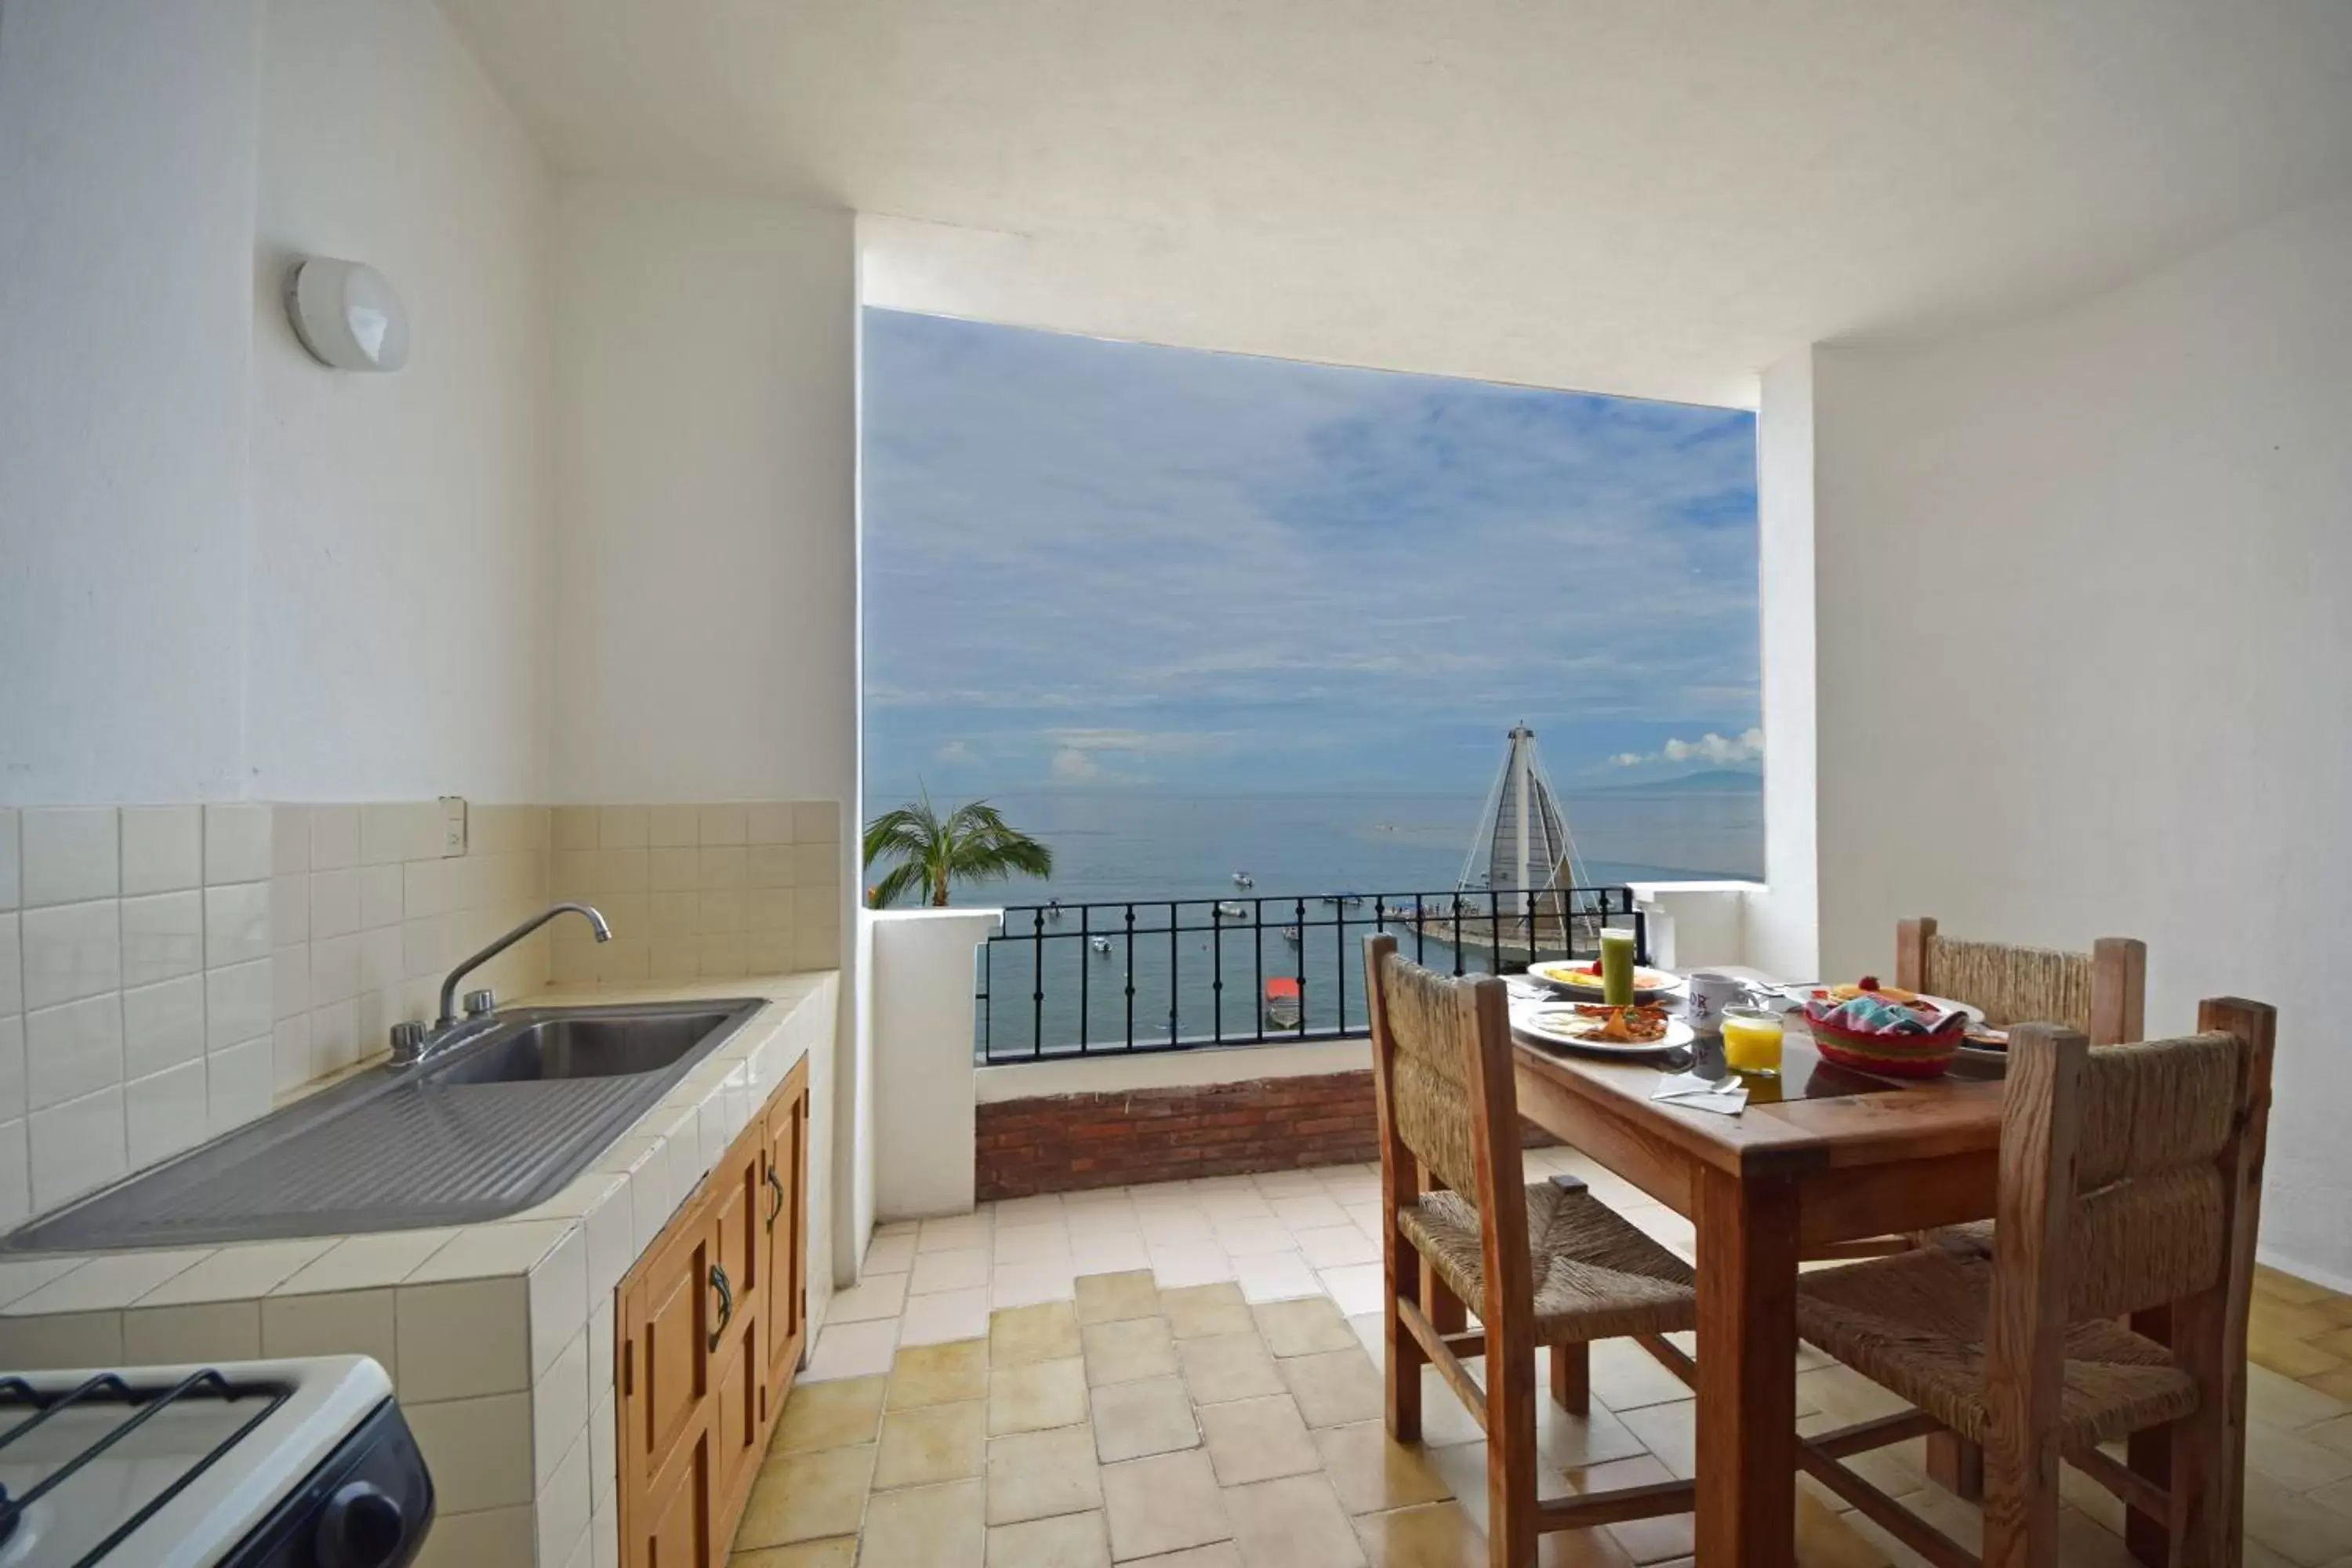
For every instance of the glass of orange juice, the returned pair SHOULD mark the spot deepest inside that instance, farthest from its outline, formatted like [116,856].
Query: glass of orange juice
[1751,1041]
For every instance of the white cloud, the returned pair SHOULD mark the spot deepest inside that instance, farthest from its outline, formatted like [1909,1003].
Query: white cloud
[953,751]
[1710,747]
[1072,765]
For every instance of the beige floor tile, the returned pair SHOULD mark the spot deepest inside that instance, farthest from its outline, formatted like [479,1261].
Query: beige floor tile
[1304,1327]
[1294,1522]
[1372,1473]
[1257,1440]
[925,1527]
[804,1497]
[2284,1287]
[1197,1312]
[937,1374]
[1037,1395]
[2288,1357]
[1071,1541]
[1133,1419]
[1431,1535]
[1163,1504]
[1825,1538]
[1228,1366]
[1625,1377]
[1035,1475]
[2294,1459]
[1670,1433]
[935,1444]
[2335,1385]
[1125,1350]
[1111,1298]
[2282,1402]
[1019,1335]
[1217,1555]
[829,1415]
[1645,1540]
[1334,1387]
[840,1552]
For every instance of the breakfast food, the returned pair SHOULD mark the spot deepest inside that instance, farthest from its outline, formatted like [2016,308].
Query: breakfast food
[1600,1024]
[1868,985]
[1586,977]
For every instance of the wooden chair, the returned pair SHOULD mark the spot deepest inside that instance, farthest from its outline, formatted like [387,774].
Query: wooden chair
[2130,1184]
[2101,994]
[1543,1264]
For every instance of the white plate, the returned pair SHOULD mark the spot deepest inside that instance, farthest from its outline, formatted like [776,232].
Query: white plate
[1527,1022]
[1591,992]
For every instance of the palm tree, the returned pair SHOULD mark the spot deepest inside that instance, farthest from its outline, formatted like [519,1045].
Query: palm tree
[971,844]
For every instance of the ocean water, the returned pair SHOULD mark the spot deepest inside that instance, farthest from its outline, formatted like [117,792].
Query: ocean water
[1141,851]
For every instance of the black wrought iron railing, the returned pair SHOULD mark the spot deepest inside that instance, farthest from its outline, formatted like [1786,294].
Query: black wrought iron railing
[1070,980]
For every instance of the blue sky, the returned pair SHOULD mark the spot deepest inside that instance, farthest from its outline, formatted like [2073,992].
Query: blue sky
[1103,564]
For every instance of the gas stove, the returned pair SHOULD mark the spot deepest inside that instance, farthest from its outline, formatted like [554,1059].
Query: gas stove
[263,1462]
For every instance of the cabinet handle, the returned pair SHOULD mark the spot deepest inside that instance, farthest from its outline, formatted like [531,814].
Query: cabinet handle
[719,1283]
[777,1208]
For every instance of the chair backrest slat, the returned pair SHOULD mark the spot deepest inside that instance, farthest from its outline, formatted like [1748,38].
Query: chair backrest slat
[1429,1057]
[2099,994]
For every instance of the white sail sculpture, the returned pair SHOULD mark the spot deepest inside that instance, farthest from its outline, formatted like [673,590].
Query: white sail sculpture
[1522,846]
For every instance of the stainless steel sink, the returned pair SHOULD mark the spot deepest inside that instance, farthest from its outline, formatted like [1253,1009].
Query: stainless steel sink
[575,1044]
[497,1124]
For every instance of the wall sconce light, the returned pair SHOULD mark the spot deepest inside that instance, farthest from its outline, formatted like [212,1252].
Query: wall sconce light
[347,315]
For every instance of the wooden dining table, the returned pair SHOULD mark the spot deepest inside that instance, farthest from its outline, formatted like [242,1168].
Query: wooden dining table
[1820,1156]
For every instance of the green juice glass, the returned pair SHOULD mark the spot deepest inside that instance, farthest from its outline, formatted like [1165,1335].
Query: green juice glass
[1617,967]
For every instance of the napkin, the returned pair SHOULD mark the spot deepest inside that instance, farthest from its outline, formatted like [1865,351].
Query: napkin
[1727,1096]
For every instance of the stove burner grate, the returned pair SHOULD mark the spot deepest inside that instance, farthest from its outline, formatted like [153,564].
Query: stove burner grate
[109,1388]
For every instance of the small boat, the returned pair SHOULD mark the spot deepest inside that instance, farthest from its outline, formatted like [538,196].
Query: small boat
[1282,1003]
[1350,900]
[1232,909]
[1244,879]
[1101,944]
[1290,935]
[1053,909]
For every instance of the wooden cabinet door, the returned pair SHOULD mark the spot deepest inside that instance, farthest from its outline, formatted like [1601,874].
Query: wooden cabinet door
[664,1372]
[737,1431]
[785,1223]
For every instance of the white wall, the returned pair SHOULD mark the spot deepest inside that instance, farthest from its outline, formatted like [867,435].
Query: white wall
[231,572]
[2085,659]
[706,638]
[402,559]
[127,145]
[1781,935]
[708,621]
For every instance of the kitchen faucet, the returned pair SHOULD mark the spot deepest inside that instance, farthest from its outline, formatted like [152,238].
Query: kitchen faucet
[413,1042]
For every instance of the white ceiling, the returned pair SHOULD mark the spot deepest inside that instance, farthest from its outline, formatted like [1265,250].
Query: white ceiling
[1653,196]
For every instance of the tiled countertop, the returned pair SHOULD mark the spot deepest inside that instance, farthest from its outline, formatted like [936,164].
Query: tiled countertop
[572,1248]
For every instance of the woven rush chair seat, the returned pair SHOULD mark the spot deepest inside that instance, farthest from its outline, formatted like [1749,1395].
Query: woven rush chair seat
[1916,1324]
[1596,1276]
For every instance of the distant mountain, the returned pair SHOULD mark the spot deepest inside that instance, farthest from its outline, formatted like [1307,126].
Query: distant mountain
[1714,781]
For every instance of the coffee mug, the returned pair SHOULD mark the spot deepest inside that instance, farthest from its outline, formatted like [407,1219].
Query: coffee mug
[1709,994]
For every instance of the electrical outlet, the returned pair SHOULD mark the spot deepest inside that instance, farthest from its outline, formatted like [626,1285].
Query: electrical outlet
[453,825]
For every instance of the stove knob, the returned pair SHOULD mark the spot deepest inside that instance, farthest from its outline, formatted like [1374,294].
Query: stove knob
[361,1528]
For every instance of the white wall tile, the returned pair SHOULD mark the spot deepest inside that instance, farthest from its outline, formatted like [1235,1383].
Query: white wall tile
[478,1449]
[290,980]
[289,1049]
[236,842]
[344,1323]
[15,1176]
[463,1337]
[335,969]
[334,1038]
[334,903]
[11,1067]
[380,895]
[72,854]
[70,950]
[12,969]
[77,1146]
[237,1003]
[238,1273]
[162,1026]
[239,1083]
[289,840]
[72,1050]
[214,1332]
[164,1113]
[561,1522]
[768,822]
[236,924]
[816,821]
[384,834]
[671,825]
[334,837]
[163,848]
[65,1339]
[163,937]
[559,1407]
[289,909]
[11,880]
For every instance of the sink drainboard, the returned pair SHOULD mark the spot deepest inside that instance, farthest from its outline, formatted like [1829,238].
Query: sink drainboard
[384,1153]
